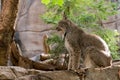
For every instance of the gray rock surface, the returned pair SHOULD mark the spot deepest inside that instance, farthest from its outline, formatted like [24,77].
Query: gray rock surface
[18,73]
[28,26]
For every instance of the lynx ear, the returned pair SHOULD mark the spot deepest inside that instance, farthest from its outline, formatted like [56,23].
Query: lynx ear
[64,16]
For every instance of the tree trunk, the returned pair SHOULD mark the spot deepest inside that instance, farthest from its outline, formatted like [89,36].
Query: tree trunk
[7,19]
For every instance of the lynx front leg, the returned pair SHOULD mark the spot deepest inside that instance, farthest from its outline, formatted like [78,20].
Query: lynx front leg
[74,60]
[70,62]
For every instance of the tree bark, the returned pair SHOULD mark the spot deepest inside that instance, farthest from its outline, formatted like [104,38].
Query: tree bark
[21,61]
[7,19]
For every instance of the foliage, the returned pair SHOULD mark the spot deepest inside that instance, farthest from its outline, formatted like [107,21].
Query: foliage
[86,14]
[83,12]
[58,44]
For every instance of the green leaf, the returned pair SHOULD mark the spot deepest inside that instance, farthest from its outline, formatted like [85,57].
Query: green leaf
[46,2]
[60,2]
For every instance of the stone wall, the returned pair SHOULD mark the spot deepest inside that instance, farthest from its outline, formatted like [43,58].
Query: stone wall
[28,26]
[113,22]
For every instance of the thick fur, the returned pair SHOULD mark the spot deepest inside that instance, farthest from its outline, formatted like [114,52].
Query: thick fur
[84,49]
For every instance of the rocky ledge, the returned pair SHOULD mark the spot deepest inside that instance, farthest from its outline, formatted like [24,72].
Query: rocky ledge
[19,73]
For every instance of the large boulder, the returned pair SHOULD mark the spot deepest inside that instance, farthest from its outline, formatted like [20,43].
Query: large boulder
[18,73]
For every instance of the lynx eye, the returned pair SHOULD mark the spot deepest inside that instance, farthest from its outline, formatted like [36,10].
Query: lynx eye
[58,28]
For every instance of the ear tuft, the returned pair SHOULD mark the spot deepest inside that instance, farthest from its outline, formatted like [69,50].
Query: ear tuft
[64,16]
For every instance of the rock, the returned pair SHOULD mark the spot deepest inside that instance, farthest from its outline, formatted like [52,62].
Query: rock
[11,72]
[18,73]
[110,73]
[28,26]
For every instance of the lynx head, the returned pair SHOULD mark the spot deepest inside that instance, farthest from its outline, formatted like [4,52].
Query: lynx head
[63,25]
